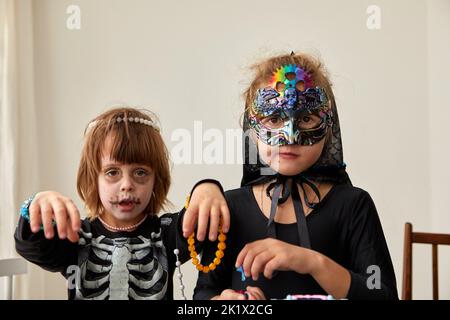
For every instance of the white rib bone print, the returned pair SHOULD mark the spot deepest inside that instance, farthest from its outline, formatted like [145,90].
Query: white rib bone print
[121,259]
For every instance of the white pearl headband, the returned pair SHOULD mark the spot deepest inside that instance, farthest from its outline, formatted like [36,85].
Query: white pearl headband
[131,120]
[139,120]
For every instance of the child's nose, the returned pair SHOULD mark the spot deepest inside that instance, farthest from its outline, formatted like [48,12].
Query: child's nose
[127,184]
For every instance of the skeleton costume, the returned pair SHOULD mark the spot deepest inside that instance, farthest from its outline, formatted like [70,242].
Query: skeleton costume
[343,226]
[135,265]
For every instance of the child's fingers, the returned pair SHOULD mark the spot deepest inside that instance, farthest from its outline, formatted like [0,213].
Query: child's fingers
[259,263]
[248,261]
[252,295]
[203,218]
[255,293]
[214,223]
[244,252]
[61,217]
[241,256]
[47,219]
[189,220]
[271,267]
[35,216]
[253,250]
[225,218]
[74,215]
[72,235]
[230,294]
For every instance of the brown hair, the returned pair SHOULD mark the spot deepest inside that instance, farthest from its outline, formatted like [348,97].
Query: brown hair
[132,143]
[264,70]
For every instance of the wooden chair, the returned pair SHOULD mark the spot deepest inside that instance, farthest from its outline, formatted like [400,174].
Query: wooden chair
[10,268]
[411,237]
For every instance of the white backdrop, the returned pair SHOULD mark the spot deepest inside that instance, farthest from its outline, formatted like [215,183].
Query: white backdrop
[18,136]
[187,61]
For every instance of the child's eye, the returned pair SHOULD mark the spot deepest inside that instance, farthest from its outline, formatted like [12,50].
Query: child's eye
[308,121]
[112,172]
[273,122]
[141,173]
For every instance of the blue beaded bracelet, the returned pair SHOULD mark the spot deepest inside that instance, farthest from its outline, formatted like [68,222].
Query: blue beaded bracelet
[25,210]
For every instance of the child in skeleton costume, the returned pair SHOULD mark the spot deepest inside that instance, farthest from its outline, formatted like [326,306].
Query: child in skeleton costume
[123,250]
[298,226]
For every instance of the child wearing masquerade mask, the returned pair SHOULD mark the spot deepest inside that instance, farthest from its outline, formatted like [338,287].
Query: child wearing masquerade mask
[298,226]
[123,250]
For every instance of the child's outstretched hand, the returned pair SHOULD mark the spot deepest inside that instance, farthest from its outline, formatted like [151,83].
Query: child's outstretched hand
[49,206]
[270,254]
[207,204]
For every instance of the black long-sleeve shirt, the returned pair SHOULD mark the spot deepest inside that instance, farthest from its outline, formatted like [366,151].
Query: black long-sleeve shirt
[111,265]
[344,227]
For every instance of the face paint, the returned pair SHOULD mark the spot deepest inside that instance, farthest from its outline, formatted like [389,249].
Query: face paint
[278,110]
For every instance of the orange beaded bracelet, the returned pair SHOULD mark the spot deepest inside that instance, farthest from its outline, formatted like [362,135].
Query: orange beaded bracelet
[219,253]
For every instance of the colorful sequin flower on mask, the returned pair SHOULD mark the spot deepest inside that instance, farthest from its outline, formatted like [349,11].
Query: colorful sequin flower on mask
[291,110]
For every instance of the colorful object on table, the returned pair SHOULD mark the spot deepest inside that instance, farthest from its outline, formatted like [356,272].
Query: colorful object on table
[308,297]
[243,278]
[279,110]
[241,270]
[245,293]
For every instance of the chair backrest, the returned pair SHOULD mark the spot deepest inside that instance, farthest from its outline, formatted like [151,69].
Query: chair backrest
[411,237]
[9,268]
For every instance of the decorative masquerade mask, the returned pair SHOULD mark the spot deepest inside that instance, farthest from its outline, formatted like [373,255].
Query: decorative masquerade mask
[291,110]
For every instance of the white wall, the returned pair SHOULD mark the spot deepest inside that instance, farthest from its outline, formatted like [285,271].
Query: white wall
[186,60]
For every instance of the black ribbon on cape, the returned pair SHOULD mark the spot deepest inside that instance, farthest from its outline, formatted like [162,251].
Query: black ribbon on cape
[284,187]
